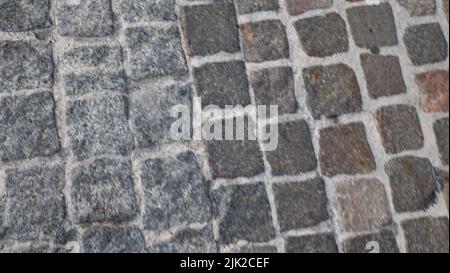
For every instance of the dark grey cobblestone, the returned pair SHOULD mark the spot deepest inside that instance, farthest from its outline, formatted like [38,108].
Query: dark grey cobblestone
[24,15]
[321,243]
[113,240]
[189,241]
[386,240]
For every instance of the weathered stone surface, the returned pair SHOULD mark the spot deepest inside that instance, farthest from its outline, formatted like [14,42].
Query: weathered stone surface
[222,84]
[264,41]
[150,110]
[102,191]
[244,214]
[28,127]
[362,205]
[426,235]
[296,7]
[322,243]
[399,127]
[25,65]
[98,127]
[345,150]
[414,183]
[295,152]
[84,18]
[24,15]
[250,6]
[426,44]
[275,86]
[113,240]
[419,7]
[188,241]
[373,26]
[332,90]
[175,192]
[441,129]
[211,28]
[148,10]
[383,75]
[433,87]
[363,244]
[257,249]
[76,84]
[91,55]
[36,205]
[323,36]
[154,52]
[301,204]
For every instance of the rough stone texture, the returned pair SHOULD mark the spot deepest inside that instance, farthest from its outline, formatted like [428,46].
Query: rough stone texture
[344,150]
[301,204]
[36,202]
[175,192]
[28,127]
[295,152]
[296,7]
[414,183]
[148,10]
[332,90]
[24,15]
[264,41]
[323,35]
[246,214]
[84,18]
[99,127]
[383,75]
[373,26]
[445,186]
[188,241]
[419,7]
[441,130]
[249,6]
[77,84]
[257,249]
[362,205]
[426,44]
[362,244]
[92,55]
[399,127]
[433,87]
[427,235]
[321,243]
[113,240]
[25,65]
[103,191]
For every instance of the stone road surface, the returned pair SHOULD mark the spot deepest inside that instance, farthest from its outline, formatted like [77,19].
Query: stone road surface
[87,163]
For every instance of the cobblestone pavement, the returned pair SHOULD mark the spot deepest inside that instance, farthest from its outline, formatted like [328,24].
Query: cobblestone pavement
[87,164]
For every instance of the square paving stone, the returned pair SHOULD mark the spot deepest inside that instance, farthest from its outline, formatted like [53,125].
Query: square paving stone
[264,41]
[85,18]
[373,26]
[175,192]
[25,65]
[189,241]
[399,127]
[103,191]
[344,150]
[295,152]
[99,126]
[113,240]
[36,203]
[419,7]
[362,205]
[433,88]
[275,86]
[80,83]
[441,130]
[321,243]
[24,15]
[222,84]
[250,6]
[383,75]
[426,44]
[296,7]
[301,204]
[151,113]
[426,235]
[332,90]
[148,10]
[91,55]
[244,214]
[323,36]
[28,127]
[414,183]
[211,28]
[385,241]
[155,52]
